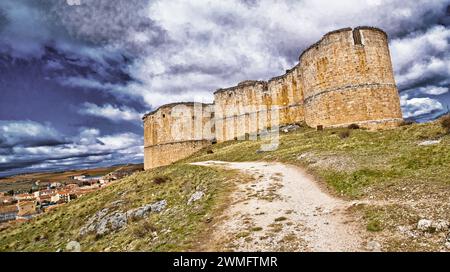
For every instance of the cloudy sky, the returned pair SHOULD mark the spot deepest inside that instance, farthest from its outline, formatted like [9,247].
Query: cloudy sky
[77,75]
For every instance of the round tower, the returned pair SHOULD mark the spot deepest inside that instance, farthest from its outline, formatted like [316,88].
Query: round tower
[347,77]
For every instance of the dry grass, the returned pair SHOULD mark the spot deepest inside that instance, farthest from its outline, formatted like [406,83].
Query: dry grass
[179,227]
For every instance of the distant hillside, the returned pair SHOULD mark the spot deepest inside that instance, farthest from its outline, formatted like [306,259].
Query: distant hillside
[25,181]
[396,178]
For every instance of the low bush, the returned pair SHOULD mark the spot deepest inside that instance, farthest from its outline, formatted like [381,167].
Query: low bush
[406,123]
[160,179]
[353,126]
[445,123]
[344,134]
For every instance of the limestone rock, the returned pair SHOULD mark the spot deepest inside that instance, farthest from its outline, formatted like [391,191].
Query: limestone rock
[289,128]
[73,246]
[158,206]
[374,246]
[430,142]
[447,245]
[104,221]
[196,196]
[424,224]
[407,231]
[140,212]
[440,225]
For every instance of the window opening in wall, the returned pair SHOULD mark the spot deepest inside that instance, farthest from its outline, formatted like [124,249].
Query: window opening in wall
[357,37]
[164,116]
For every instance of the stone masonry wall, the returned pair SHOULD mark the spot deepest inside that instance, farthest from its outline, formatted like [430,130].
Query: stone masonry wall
[347,78]
[165,154]
[176,130]
[252,106]
[344,78]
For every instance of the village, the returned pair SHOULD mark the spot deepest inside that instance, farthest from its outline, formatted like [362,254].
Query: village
[20,206]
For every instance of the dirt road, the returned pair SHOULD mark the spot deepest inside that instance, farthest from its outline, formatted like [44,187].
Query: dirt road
[283,209]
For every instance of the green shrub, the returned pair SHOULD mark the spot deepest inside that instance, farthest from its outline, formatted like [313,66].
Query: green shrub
[374,225]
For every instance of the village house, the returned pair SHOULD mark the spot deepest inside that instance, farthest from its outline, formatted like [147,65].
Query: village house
[71,186]
[8,213]
[44,194]
[80,178]
[55,185]
[26,209]
[7,200]
[21,197]
[45,199]
[62,196]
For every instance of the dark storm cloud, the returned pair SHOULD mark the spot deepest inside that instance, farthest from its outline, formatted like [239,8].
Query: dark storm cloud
[28,146]
[105,22]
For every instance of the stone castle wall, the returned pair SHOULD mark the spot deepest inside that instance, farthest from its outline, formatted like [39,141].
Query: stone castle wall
[252,106]
[164,154]
[345,78]
[174,131]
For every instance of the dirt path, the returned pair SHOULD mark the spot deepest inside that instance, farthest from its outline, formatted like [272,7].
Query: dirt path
[283,209]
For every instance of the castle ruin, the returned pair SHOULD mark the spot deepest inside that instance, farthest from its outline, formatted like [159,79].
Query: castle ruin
[345,78]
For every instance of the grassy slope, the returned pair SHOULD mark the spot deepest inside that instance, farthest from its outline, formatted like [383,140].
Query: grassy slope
[354,165]
[177,228]
[387,166]
[408,181]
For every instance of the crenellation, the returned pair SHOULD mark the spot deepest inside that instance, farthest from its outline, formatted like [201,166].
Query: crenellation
[344,78]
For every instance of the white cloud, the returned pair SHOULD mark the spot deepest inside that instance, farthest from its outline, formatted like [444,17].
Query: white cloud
[419,106]
[111,112]
[421,56]
[121,141]
[433,90]
[28,133]
[217,44]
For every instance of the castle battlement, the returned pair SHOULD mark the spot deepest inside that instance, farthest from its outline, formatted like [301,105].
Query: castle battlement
[344,78]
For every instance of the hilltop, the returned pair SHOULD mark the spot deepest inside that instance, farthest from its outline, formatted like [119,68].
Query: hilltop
[390,181]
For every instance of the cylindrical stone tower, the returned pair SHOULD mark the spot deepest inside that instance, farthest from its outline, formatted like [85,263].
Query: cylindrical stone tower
[347,78]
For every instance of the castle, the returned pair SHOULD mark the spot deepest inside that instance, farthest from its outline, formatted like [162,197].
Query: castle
[345,78]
